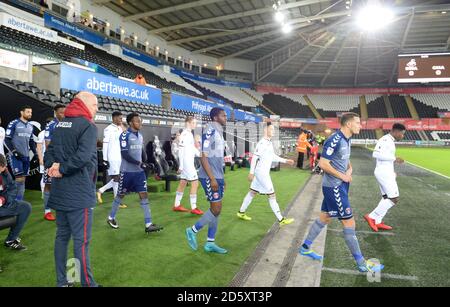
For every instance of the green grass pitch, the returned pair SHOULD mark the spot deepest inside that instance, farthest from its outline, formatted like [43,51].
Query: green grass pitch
[129,257]
[436,159]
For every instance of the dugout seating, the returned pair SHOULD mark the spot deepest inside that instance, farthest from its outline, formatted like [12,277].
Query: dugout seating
[163,169]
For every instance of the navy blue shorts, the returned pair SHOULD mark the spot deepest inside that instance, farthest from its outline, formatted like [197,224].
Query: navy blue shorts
[46,178]
[336,203]
[19,167]
[132,182]
[210,194]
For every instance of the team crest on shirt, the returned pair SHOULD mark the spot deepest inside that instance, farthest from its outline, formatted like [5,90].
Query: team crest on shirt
[330,151]
[124,143]
[216,195]
[206,144]
[348,211]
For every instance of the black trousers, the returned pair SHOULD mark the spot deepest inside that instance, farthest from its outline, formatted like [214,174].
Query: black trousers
[301,156]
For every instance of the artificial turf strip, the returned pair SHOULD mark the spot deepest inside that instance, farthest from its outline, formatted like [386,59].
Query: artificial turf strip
[129,257]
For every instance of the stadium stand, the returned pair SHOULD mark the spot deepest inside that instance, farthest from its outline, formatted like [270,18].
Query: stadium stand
[376,107]
[105,104]
[329,105]
[233,94]
[234,97]
[438,135]
[399,106]
[365,135]
[92,54]
[439,101]
[428,105]
[286,107]
[410,135]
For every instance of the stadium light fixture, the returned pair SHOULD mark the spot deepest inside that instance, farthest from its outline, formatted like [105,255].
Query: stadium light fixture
[279,17]
[287,28]
[373,18]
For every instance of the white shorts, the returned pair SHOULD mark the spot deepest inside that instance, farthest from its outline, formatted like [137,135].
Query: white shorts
[388,183]
[114,168]
[262,184]
[189,173]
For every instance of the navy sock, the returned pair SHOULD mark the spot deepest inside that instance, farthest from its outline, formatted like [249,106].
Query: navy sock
[20,190]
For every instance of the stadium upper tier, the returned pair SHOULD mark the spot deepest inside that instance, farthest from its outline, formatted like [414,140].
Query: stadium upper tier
[114,64]
[286,107]
[234,94]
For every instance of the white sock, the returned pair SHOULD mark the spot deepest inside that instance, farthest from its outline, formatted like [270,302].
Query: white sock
[193,198]
[148,224]
[115,187]
[275,208]
[47,211]
[247,201]
[42,186]
[178,197]
[107,186]
[380,211]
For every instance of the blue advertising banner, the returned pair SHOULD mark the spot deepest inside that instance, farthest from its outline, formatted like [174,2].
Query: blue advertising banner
[192,104]
[246,116]
[99,69]
[213,80]
[139,56]
[82,80]
[72,29]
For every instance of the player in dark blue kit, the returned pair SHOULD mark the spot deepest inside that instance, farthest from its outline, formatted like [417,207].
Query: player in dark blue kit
[19,141]
[132,173]
[335,162]
[212,180]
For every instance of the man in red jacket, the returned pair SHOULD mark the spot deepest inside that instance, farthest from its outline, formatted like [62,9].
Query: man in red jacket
[71,160]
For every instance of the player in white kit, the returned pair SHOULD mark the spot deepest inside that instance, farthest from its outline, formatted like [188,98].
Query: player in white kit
[187,151]
[261,183]
[111,155]
[384,173]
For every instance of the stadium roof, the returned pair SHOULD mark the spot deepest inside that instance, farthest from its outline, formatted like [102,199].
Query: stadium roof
[325,48]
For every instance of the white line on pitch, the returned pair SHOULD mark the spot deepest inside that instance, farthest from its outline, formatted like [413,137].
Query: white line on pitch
[367,232]
[383,275]
[428,170]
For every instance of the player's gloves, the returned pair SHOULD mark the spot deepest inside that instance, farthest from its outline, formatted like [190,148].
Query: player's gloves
[105,164]
[145,167]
